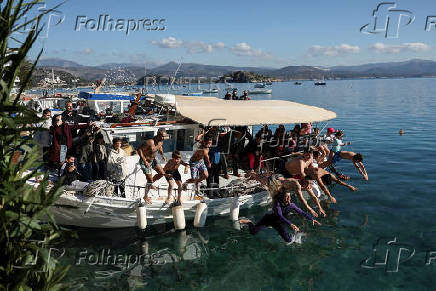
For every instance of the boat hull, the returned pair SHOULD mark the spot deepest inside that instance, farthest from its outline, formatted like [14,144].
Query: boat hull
[108,212]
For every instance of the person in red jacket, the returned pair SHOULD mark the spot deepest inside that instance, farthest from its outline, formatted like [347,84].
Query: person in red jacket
[62,139]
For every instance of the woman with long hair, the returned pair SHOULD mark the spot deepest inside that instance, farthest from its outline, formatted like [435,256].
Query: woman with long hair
[282,206]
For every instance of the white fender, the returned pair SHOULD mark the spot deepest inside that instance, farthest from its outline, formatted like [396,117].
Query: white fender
[141,216]
[178,217]
[200,215]
[316,190]
[234,208]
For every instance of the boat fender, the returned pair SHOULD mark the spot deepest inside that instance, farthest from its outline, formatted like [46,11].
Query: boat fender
[141,215]
[234,208]
[178,217]
[200,214]
[316,190]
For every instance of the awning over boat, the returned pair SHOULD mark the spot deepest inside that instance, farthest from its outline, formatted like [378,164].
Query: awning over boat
[220,112]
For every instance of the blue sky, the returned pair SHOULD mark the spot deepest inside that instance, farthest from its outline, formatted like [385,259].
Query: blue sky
[241,33]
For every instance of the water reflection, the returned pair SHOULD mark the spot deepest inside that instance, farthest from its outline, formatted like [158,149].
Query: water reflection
[195,258]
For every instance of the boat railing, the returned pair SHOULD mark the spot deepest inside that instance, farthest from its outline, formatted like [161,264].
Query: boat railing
[232,188]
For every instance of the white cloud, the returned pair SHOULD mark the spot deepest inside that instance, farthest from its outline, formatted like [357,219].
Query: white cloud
[243,49]
[170,42]
[192,47]
[395,49]
[219,45]
[317,50]
[86,51]
[195,47]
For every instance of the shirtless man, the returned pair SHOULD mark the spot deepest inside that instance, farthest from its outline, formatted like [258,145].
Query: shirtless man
[323,178]
[295,167]
[147,159]
[356,158]
[197,163]
[172,175]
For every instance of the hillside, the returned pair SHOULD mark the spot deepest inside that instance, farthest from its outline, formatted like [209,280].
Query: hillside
[411,68]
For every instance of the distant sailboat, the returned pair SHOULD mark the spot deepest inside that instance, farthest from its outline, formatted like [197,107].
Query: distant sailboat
[321,82]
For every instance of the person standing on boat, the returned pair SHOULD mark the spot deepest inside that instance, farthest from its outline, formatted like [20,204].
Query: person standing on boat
[254,152]
[266,132]
[337,141]
[86,158]
[172,175]
[42,136]
[197,163]
[116,166]
[71,117]
[282,206]
[147,160]
[62,139]
[100,157]
[237,144]
[127,147]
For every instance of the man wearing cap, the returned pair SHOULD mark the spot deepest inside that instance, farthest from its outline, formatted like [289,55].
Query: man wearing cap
[147,159]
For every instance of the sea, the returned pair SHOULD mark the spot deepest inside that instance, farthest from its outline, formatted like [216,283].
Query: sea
[382,237]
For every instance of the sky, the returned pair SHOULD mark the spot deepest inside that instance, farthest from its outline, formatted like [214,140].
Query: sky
[240,33]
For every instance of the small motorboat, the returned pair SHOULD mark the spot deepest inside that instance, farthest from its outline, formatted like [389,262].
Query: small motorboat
[214,91]
[193,94]
[260,91]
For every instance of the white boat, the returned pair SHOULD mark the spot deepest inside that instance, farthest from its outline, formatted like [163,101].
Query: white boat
[320,82]
[193,94]
[100,211]
[213,91]
[260,91]
[259,85]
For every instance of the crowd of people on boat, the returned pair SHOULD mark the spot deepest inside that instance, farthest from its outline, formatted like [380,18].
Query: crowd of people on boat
[284,161]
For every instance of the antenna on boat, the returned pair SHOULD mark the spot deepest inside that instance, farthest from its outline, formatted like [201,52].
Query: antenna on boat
[145,77]
[175,74]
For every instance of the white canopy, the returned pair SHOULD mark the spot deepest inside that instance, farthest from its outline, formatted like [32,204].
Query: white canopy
[220,112]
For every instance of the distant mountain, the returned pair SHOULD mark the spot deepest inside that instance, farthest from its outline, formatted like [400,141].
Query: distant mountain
[56,62]
[301,72]
[411,68]
[199,70]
